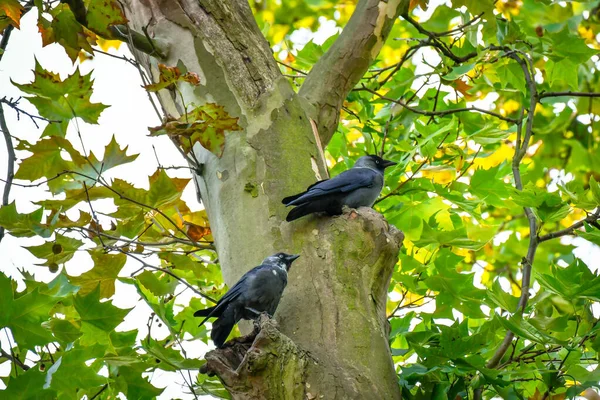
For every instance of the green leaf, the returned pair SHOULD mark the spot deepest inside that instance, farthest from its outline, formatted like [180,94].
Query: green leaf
[574,281]
[25,314]
[69,373]
[168,358]
[65,331]
[58,251]
[60,100]
[103,316]
[23,225]
[102,14]
[569,46]
[458,71]
[103,275]
[137,387]
[28,385]
[159,283]
[525,330]
[595,189]
[500,298]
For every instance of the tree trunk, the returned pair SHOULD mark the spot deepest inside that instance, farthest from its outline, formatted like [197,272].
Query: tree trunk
[332,315]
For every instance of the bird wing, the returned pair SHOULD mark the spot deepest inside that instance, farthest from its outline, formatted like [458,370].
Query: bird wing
[345,182]
[265,289]
[232,294]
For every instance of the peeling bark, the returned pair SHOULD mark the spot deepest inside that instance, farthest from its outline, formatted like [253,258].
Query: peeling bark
[340,69]
[334,305]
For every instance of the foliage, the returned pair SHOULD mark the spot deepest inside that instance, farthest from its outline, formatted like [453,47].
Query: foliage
[490,109]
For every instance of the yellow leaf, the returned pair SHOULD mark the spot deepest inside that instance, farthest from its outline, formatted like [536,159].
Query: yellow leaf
[502,154]
[106,45]
[441,176]
[510,106]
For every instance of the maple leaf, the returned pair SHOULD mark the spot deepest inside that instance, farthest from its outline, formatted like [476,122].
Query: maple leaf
[204,124]
[102,14]
[13,11]
[171,75]
[61,100]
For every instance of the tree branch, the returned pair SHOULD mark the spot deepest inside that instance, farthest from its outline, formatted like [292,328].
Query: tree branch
[11,159]
[568,93]
[342,66]
[520,151]
[438,113]
[14,359]
[569,231]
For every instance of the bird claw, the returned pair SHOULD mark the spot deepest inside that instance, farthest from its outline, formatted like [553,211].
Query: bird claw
[260,319]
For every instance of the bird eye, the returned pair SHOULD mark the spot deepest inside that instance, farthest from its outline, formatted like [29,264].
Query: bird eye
[281,256]
[376,161]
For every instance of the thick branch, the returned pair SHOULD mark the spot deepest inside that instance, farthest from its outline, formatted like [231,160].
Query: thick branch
[342,66]
[244,365]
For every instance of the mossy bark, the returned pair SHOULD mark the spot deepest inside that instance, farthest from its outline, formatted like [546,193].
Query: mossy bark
[334,306]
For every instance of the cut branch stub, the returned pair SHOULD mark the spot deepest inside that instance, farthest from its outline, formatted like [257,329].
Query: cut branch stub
[334,304]
[245,365]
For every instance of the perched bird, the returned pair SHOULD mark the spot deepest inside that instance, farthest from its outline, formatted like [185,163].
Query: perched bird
[357,187]
[258,291]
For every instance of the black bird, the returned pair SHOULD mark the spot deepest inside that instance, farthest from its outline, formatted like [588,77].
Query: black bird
[258,291]
[357,187]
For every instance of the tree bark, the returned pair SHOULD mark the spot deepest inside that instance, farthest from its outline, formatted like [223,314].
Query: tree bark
[334,306]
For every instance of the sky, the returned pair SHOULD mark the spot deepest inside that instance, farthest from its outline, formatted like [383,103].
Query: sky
[128,118]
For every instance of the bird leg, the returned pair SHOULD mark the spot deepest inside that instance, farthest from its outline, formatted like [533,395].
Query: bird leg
[257,313]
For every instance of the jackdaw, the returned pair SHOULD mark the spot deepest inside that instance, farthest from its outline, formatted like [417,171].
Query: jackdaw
[258,291]
[357,187]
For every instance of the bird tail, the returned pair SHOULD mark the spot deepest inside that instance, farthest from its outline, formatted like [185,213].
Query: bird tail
[204,313]
[222,328]
[207,313]
[301,211]
[289,199]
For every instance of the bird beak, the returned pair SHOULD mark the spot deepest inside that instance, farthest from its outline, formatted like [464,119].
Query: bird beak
[292,258]
[388,163]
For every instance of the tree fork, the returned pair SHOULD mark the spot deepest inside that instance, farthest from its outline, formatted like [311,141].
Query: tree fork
[334,305]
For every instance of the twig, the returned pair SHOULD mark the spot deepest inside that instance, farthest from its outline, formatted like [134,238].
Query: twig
[10,170]
[100,392]
[166,271]
[568,231]
[14,105]
[174,240]
[438,44]
[460,27]
[438,113]
[14,359]
[395,191]
[292,68]
[568,93]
